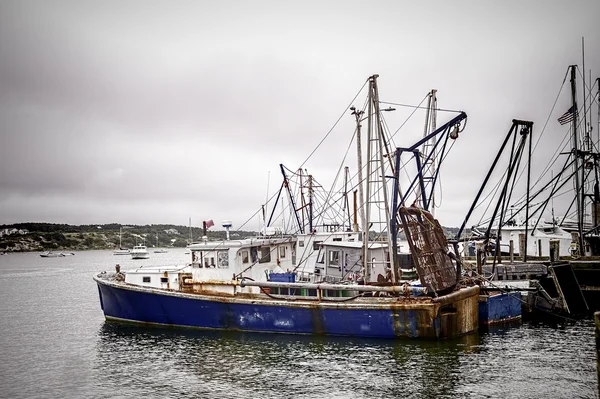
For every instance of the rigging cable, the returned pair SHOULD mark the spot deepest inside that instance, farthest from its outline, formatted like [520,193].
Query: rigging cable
[334,125]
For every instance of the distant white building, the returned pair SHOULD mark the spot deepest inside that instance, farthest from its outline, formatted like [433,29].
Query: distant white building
[7,232]
[171,231]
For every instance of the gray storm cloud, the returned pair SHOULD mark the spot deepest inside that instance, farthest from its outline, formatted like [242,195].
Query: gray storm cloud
[153,112]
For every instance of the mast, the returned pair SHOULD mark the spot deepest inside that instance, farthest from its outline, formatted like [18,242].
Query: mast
[376,187]
[587,144]
[302,201]
[310,203]
[428,150]
[575,150]
[346,202]
[361,197]
[363,205]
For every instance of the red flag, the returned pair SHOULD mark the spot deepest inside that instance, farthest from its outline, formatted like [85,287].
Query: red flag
[209,223]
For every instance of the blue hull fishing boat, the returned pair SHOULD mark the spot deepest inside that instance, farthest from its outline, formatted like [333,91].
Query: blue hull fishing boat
[328,279]
[382,317]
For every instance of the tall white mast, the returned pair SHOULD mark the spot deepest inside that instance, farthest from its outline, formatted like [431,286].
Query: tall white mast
[377,198]
[428,148]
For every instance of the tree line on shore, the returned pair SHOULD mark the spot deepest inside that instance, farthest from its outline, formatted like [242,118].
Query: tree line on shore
[53,236]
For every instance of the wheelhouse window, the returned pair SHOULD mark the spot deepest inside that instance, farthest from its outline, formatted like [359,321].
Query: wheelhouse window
[321,257]
[301,243]
[265,255]
[164,279]
[316,245]
[146,279]
[223,259]
[334,258]
[245,257]
[282,252]
[209,259]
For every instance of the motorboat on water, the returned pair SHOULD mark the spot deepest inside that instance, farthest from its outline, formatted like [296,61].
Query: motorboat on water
[52,254]
[159,250]
[121,250]
[140,252]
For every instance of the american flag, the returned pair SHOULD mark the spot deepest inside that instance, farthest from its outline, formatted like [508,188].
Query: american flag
[568,116]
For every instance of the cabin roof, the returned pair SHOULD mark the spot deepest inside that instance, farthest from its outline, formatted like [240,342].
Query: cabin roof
[247,243]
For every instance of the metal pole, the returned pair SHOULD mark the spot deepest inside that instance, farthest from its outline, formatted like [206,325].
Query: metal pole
[530,127]
[487,177]
[576,155]
[361,197]
[336,287]
[365,220]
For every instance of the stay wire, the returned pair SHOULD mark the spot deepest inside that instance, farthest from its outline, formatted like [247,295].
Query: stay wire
[335,124]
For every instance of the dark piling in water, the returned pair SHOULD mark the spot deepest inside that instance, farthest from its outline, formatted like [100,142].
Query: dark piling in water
[597,323]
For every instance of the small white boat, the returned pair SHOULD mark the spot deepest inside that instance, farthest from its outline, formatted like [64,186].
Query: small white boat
[121,250]
[159,251]
[52,254]
[140,252]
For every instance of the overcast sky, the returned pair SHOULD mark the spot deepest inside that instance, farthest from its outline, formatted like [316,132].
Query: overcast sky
[142,112]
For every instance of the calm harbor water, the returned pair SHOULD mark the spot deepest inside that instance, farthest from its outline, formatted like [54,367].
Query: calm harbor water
[54,343]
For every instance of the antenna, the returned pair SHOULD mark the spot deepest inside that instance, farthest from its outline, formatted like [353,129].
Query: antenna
[227,225]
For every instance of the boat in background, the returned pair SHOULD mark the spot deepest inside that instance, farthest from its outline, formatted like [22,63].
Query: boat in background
[52,254]
[121,250]
[161,250]
[140,252]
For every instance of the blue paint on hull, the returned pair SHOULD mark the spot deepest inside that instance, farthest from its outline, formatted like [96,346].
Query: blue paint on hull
[197,311]
[500,308]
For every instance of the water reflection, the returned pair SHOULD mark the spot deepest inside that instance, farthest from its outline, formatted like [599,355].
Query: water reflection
[228,364]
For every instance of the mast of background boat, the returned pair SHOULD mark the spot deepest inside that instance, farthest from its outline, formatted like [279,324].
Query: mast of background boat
[363,205]
[587,147]
[361,197]
[427,147]
[190,230]
[575,150]
[376,174]
[596,201]
[303,202]
[597,188]
[386,199]
[264,208]
[285,184]
[346,203]
[310,203]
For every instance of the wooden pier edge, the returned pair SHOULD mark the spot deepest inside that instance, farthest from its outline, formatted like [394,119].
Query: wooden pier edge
[597,329]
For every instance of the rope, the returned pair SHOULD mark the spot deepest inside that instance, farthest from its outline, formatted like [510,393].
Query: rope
[419,106]
[334,125]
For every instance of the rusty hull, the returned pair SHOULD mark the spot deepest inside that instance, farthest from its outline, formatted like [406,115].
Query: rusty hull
[443,317]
